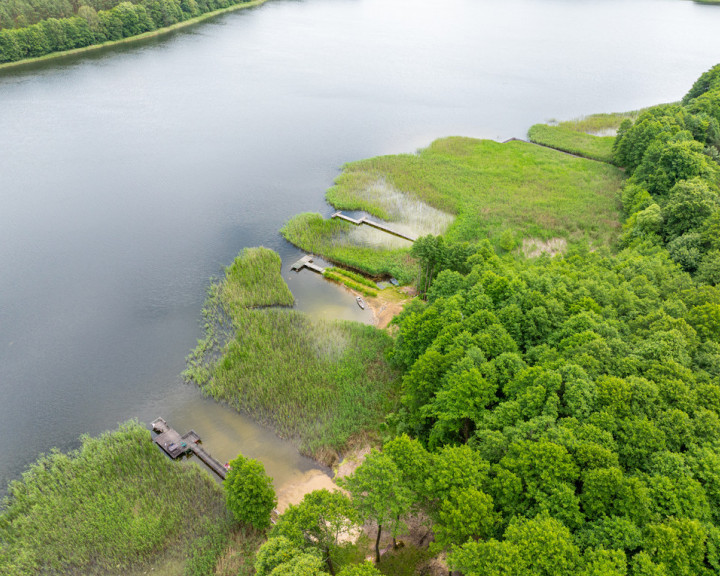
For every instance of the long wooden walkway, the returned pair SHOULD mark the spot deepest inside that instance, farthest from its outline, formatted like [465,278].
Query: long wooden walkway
[378,225]
[176,445]
[307,262]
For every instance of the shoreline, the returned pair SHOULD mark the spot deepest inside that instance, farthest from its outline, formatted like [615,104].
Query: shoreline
[130,39]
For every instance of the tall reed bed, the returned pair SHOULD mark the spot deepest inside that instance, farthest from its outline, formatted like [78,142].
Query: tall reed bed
[492,187]
[568,140]
[254,279]
[115,505]
[466,190]
[590,136]
[350,283]
[317,382]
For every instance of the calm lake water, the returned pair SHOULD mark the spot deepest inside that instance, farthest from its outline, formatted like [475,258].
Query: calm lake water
[130,176]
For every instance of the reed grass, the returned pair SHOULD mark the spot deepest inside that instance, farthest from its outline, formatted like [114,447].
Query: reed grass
[115,505]
[574,142]
[359,278]
[489,188]
[340,279]
[254,279]
[605,124]
[316,382]
[492,187]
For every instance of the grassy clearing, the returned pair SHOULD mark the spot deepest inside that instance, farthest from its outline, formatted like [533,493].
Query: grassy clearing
[331,239]
[569,140]
[316,382]
[115,506]
[254,279]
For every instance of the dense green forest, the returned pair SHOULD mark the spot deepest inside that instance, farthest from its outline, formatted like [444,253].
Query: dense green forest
[29,29]
[565,412]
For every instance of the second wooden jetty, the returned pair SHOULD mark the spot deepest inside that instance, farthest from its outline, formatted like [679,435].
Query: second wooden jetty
[378,225]
[176,445]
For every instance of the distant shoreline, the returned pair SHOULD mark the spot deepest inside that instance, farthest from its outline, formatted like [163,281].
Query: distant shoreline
[144,35]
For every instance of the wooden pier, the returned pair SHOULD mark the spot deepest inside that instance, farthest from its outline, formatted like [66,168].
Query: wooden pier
[307,262]
[176,445]
[378,225]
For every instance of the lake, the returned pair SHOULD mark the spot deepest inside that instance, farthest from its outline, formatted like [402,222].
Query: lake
[132,175]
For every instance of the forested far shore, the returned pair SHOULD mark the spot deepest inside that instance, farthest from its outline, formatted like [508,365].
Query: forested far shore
[52,29]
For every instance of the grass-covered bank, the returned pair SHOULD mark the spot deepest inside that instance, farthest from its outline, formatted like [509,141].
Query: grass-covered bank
[591,136]
[8,47]
[504,192]
[115,506]
[318,383]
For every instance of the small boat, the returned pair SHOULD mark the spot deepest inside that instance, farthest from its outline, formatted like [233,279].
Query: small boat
[360,302]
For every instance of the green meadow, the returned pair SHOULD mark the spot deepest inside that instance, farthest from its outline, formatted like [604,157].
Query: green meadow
[117,505]
[491,190]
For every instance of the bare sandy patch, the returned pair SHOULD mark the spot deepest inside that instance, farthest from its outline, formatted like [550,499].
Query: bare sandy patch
[350,463]
[534,247]
[293,492]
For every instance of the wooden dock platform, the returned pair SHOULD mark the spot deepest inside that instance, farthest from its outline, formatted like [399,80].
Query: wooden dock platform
[176,445]
[378,225]
[307,262]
